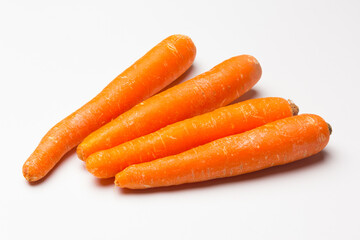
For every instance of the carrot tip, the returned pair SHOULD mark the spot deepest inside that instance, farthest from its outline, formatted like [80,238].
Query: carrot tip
[294,107]
[330,128]
[80,153]
[27,175]
[116,183]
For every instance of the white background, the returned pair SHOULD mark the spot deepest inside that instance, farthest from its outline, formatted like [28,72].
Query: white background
[57,55]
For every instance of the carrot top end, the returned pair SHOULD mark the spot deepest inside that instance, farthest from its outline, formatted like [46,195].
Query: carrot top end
[294,107]
[330,128]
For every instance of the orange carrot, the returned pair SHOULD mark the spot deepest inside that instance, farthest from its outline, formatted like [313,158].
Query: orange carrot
[275,143]
[206,92]
[190,133]
[155,70]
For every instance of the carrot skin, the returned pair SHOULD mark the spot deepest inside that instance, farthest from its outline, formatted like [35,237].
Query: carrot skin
[155,70]
[208,91]
[275,143]
[189,133]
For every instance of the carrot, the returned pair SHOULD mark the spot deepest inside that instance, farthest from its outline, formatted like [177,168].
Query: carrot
[155,70]
[275,143]
[190,133]
[206,92]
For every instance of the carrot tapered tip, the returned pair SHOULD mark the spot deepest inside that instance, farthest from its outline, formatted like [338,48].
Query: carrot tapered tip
[117,181]
[80,153]
[26,170]
[294,107]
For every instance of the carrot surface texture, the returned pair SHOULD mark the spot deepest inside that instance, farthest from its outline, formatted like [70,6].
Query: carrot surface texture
[275,143]
[208,91]
[190,133]
[147,76]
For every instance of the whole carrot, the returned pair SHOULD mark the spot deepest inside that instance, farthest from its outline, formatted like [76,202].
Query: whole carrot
[190,133]
[206,92]
[155,70]
[275,143]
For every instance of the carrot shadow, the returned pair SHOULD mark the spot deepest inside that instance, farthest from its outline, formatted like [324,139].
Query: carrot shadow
[104,182]
[316,159]
[64,158]
[252,93]
[184,77]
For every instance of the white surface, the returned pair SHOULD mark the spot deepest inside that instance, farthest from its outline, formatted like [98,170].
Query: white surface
[54,57]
